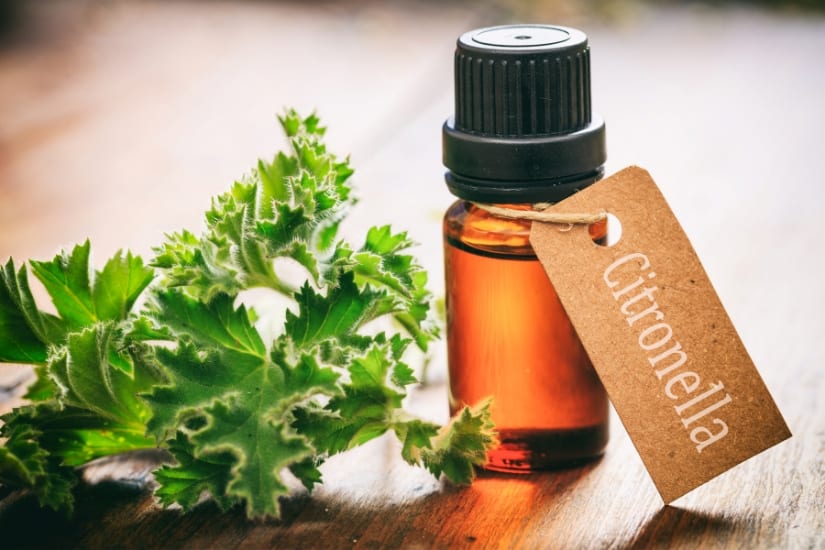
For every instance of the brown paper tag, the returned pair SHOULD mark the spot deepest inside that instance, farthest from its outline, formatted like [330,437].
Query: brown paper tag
[676,371]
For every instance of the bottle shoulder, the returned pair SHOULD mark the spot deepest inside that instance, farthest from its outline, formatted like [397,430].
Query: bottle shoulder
[467,225]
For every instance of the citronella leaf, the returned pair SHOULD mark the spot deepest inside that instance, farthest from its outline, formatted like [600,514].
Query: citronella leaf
[22,458]
[118,285]
[381,264]
[273,187]
[82,301]
[190,479]
[76,435]
[88,380]
[461,444]
[250,423]
[262,446]
[326,383]
[233,403]
[339,313]
[307,471]
[204,269]
[66,279]
[368,405]
[197,377]
[25,463]
[291,123]
[287,208]
[231,227]
[25,331]
[217,323]
[414,436]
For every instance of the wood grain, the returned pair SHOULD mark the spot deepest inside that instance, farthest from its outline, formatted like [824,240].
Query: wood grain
[371,499]
[118,121]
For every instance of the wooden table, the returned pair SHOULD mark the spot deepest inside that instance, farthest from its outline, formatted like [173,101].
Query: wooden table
[118,122]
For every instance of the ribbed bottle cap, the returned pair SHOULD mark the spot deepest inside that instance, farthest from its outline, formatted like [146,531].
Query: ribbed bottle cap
[523,123]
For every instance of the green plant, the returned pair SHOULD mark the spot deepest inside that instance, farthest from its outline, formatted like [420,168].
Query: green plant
[168,355]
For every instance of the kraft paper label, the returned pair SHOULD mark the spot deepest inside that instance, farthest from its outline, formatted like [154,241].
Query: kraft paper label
[676,371]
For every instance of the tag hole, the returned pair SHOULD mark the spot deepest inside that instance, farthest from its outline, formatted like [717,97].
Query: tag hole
[606,232]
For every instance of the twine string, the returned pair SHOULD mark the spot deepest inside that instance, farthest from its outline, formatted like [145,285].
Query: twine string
[539,214]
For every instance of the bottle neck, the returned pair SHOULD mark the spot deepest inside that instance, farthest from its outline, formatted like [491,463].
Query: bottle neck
[520,191]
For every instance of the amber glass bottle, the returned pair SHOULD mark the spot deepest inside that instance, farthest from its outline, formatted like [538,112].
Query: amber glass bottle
[522,133]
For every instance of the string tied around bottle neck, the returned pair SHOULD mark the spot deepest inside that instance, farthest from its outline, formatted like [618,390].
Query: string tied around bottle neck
[539,214]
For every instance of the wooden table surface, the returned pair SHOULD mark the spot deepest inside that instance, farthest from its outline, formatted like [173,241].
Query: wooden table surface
[119,120]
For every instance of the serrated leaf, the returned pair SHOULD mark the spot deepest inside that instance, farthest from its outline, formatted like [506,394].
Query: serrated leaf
[341,312]
[462,444]
[291,123]
[217,323]
[82,300]
[403,375]
[287,208]
[22,459]
[205,268]
[66,279]
[261,445]
[414,435]
[24,463]
[185,482]
[368,405]
[75,436]
[307,472]
[273,187]
[43,388]
[291,207]
[118,285]
[240,409]
[381,264]
[196,379]
[87,379]
[25,331]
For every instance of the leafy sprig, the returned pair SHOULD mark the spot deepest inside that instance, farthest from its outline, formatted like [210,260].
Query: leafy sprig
[85,398]
[189,371]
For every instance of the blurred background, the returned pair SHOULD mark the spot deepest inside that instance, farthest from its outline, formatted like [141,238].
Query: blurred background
[119,119]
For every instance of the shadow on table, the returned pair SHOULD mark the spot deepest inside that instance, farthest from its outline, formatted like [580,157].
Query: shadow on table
[673,526]
[114,514]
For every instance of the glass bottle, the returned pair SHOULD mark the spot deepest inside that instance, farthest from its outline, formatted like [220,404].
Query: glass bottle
[523,133]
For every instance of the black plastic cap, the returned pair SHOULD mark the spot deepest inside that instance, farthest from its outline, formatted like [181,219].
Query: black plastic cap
[523,118]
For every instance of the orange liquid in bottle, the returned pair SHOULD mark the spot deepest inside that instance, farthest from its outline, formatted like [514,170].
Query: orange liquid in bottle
[508,337]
